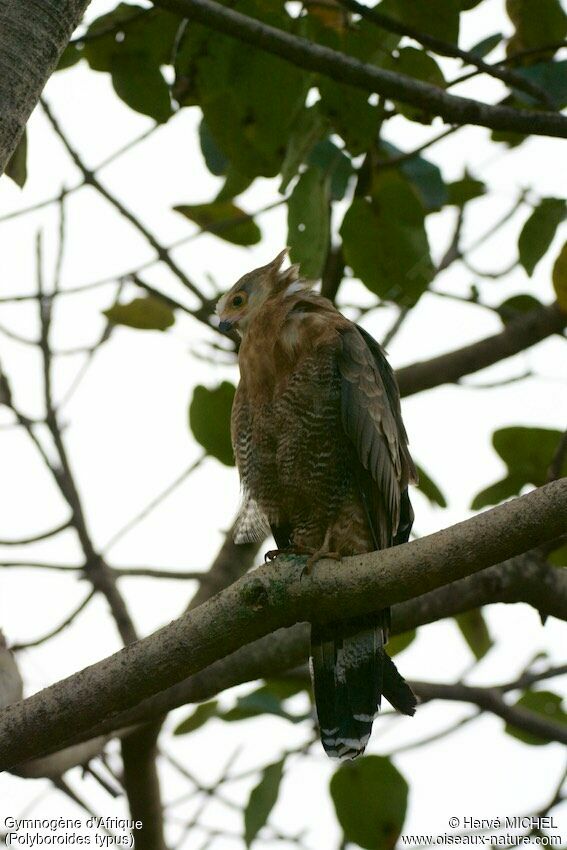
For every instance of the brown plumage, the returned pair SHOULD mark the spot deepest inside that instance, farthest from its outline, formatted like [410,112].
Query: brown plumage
[324,465]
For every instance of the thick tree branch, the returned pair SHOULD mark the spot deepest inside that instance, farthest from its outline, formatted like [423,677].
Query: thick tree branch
[139,754]
[267,599]
[32,37]
[345,69]
[519,334]
[525,578]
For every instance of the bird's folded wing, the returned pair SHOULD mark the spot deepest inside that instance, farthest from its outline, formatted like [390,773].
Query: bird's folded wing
[372,420]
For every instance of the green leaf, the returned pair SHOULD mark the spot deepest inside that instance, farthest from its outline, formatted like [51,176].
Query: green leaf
[234,184]
[235,88]
[560,278]
[132,44]
[262,800]
[215,160]
[498,492]
[543,703]
[538,231]
[309,128]
[464,190]
[420,66]
[17,168]
[346,107]
[334,164]
[475,631]
[425,177]
[141,85]
[517,305]
[439,18]
[549,76]
[209,420]
[224,219]
[486,46]
[370,798]
[69,57]
[197,718]
[147,314]
[558,557]
[308,215]
[537,24]
[430,489]
[527,452]
[385,242]
[398,643]
[265,700]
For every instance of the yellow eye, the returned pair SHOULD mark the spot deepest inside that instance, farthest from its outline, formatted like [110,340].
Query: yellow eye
[239,299]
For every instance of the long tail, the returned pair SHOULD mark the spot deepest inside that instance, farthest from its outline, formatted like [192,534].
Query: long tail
[351,671]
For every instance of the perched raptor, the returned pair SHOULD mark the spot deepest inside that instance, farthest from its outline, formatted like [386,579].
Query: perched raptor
[324,464]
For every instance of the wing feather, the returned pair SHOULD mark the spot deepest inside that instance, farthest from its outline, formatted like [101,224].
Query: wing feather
[372,420]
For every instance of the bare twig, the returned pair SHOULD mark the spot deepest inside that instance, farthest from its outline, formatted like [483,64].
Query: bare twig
[58,629]
[155,502]
[91,179]
[44,535]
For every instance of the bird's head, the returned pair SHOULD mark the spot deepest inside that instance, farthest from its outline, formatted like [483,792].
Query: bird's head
[241,303]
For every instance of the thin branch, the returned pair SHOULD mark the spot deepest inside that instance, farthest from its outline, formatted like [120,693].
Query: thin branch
[435,736]
[345,69]
[559,456]
[39,566]
[107,161]
[155,572]
[403,313]
[214,227]
[491,385]
[519,334]
[91,179]
[44,535]
[395,161]
[445,48]
[101,578]
[490,699]
[58,629]
[509,60]
[151,506]
[268,599]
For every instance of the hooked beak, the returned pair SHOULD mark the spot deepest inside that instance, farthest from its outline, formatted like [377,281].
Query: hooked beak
[225,326]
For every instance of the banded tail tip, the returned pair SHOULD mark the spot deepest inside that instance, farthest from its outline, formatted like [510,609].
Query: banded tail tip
[343,748]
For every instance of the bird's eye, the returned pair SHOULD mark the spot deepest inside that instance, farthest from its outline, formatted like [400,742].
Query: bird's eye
[238,301]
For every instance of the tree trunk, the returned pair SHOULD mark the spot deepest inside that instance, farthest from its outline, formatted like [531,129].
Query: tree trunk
[33,34]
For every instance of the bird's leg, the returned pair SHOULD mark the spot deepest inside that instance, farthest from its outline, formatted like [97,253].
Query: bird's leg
[272,554]
[320,553]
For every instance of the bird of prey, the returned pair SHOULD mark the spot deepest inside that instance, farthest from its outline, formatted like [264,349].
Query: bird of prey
[324,465]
